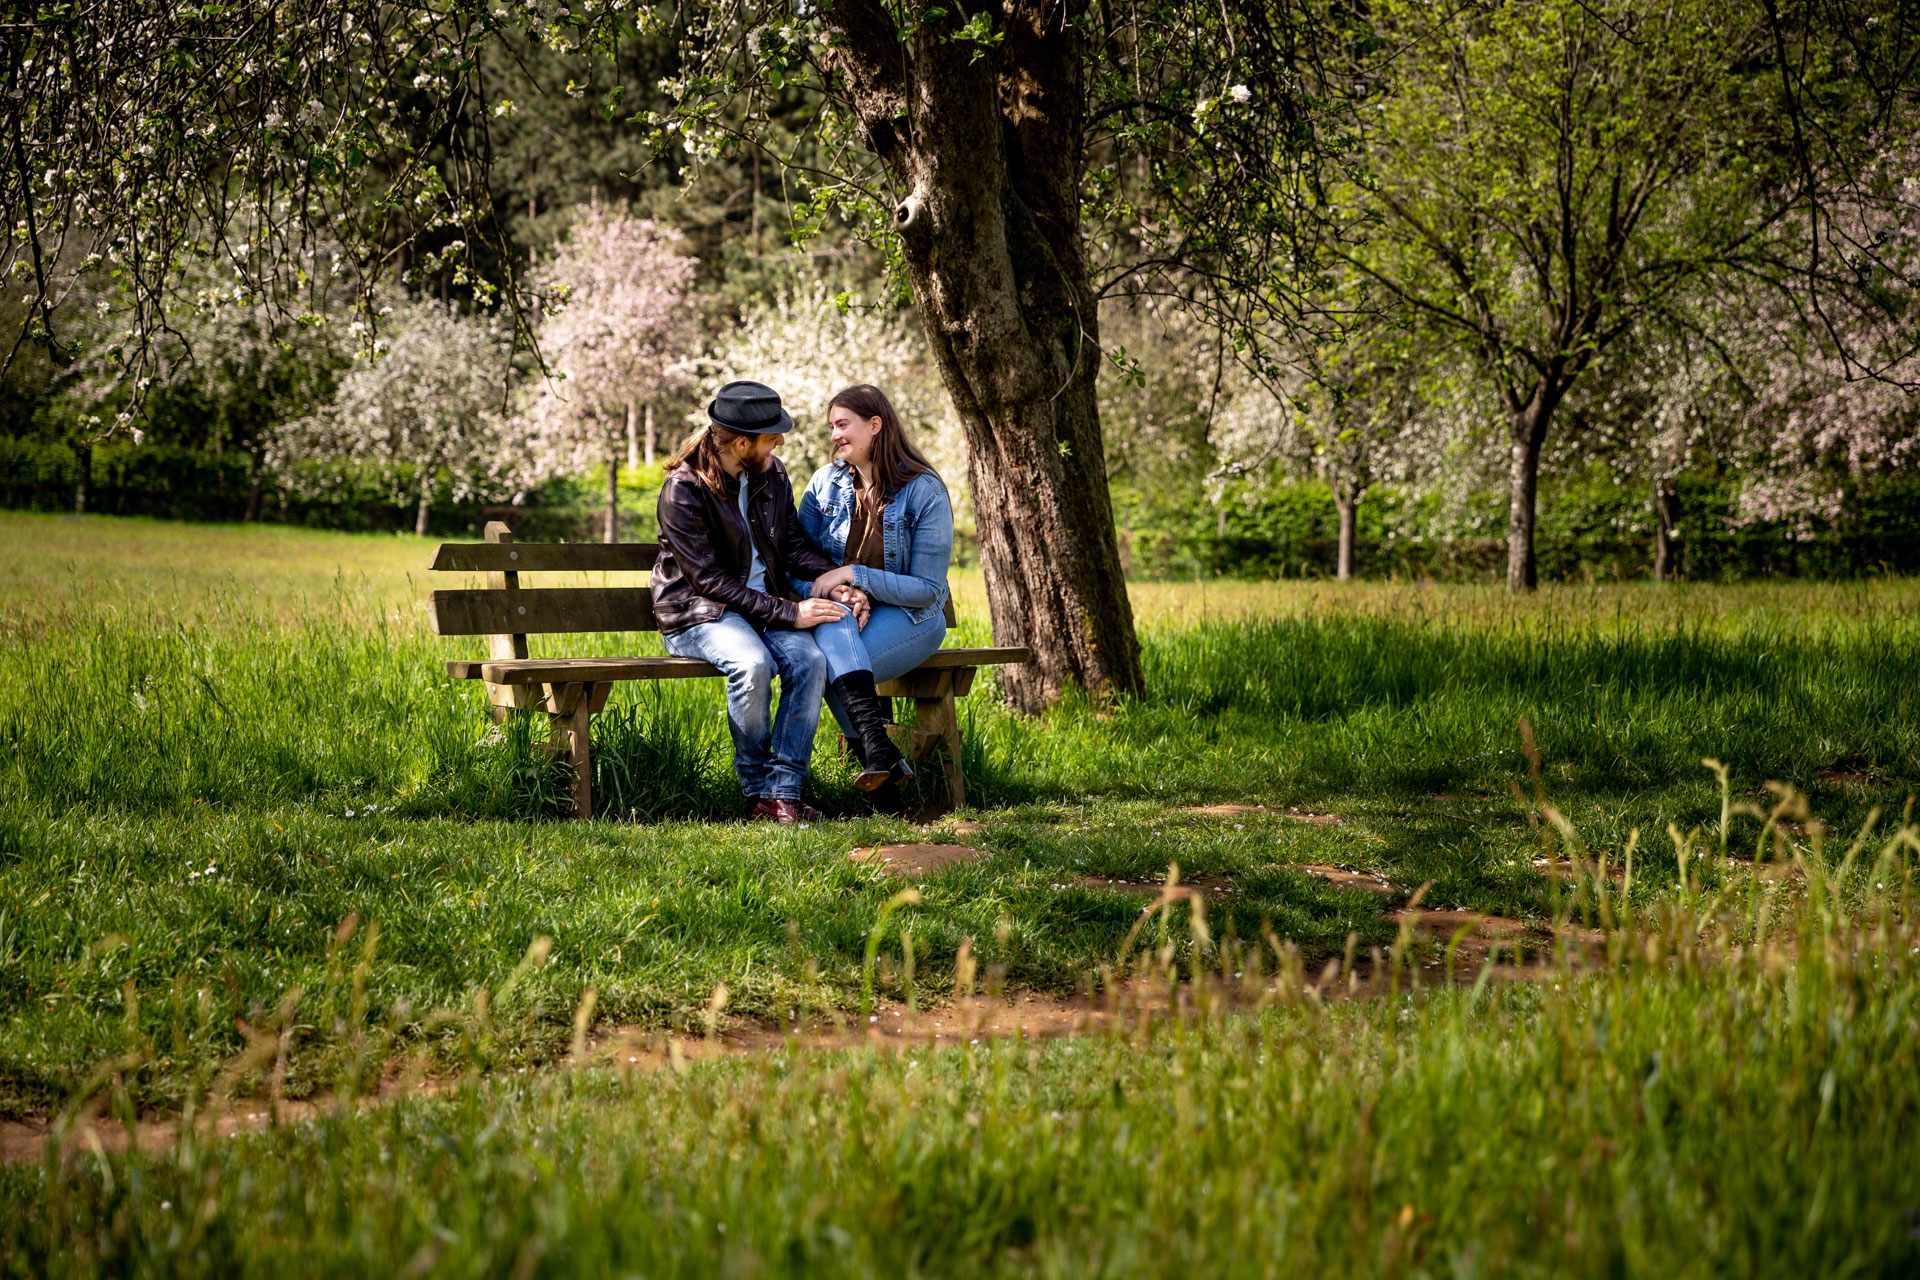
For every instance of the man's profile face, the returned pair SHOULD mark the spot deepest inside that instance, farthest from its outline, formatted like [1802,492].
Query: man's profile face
[763,448]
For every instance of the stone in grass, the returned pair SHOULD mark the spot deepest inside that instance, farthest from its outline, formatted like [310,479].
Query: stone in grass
[917,859]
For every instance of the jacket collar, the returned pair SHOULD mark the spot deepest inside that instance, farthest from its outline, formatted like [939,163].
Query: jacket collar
[755,480]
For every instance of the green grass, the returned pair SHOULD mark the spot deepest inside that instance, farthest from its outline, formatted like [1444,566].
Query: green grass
[202,776]
[1707,1105]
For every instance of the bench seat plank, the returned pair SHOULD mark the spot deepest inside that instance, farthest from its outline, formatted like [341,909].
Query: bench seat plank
[569,670]
[545,557]
[572,670]
[992,656]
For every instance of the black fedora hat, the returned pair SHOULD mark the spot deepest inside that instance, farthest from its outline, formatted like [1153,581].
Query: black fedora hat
[751,408]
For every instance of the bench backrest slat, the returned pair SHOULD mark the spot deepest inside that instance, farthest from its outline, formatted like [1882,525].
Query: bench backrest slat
[508,613]
[545,557]
[525,611]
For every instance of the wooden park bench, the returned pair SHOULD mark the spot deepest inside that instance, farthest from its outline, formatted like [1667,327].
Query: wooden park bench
[572,690]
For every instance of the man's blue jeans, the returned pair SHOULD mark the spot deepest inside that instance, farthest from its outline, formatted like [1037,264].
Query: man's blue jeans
[770,759]
[890,646]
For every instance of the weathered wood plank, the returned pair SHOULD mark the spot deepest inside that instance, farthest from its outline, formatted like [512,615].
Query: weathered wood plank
[937,719]
[544,557]
[509,645]
[555,670]
[987,657]
[580,750]
[922,682]
[541,612]
[543,670]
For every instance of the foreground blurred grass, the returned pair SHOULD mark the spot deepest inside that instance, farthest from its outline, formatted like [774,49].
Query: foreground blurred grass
[1736,1092]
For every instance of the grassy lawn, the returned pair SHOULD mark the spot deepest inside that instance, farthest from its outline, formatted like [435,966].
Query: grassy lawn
[218,744]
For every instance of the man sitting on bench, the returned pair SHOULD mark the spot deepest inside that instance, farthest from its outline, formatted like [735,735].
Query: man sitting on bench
[729,545]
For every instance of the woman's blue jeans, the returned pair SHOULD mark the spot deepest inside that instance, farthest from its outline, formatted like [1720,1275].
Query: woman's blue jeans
[770,759]
[890,646]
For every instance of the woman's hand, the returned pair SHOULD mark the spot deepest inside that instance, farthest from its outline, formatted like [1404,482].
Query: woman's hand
[815,612]
[855,599]
[824,584]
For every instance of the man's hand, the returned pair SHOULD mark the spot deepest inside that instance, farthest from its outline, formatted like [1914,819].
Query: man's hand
[815,612]
[824,585]
[855,599]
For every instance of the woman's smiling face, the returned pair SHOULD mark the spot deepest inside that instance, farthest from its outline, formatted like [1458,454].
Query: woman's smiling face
[852,435]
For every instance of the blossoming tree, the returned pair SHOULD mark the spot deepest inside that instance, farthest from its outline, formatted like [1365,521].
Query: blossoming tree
[804,345]
[424,406]
[618,346]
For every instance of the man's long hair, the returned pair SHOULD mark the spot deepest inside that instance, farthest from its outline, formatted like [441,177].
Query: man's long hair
[702,451]
[895,460]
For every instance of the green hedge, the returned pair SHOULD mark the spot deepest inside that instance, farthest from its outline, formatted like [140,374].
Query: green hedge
[1589,527]
[175,483]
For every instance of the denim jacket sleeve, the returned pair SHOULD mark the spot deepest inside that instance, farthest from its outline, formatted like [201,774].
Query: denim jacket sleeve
[812,509]
[925,505]
[811,516]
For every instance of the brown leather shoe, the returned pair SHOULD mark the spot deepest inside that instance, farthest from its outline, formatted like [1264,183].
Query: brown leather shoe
[768,809]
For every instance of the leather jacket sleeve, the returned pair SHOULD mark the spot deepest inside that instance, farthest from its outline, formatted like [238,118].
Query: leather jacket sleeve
[686,530]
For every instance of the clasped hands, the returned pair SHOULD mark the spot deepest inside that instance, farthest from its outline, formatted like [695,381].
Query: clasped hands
[837,585]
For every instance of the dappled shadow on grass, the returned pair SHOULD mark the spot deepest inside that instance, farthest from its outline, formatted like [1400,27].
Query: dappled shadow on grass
[160,715]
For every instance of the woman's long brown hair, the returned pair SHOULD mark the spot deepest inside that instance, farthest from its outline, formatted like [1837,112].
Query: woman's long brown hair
[702,450]
[895,460]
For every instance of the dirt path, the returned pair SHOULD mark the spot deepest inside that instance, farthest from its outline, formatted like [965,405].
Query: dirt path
[1505,949]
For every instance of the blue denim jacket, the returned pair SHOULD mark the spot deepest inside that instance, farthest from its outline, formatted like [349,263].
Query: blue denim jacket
[918,537]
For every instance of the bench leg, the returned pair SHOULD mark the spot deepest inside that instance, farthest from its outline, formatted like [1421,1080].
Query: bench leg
[571,708]
[939,727]
[580,756]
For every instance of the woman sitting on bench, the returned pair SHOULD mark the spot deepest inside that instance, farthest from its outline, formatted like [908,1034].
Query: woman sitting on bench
[881,511]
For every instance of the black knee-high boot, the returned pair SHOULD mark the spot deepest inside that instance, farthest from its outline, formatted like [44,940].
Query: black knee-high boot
[881,760]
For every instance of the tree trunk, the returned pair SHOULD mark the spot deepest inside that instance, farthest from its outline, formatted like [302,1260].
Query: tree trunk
[420,513]
[256,468]
[83,453]
[1347,502]
[989,152]
[613,498]
[1528,431]
[633,439]
[1666,515]
[652,442]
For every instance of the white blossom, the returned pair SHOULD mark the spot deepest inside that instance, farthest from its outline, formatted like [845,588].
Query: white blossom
[623,339]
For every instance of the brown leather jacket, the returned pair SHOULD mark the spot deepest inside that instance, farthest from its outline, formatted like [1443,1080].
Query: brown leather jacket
[702,568]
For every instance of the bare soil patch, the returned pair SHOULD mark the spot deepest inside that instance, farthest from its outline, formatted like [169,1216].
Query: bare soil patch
[26,1140]
[1494,937]
[1204,886]
[919,859]
[961,828]
[1217,886]
[891,1024]
[1371,881]
[1259,810]
[1563,869]
[944,1023]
